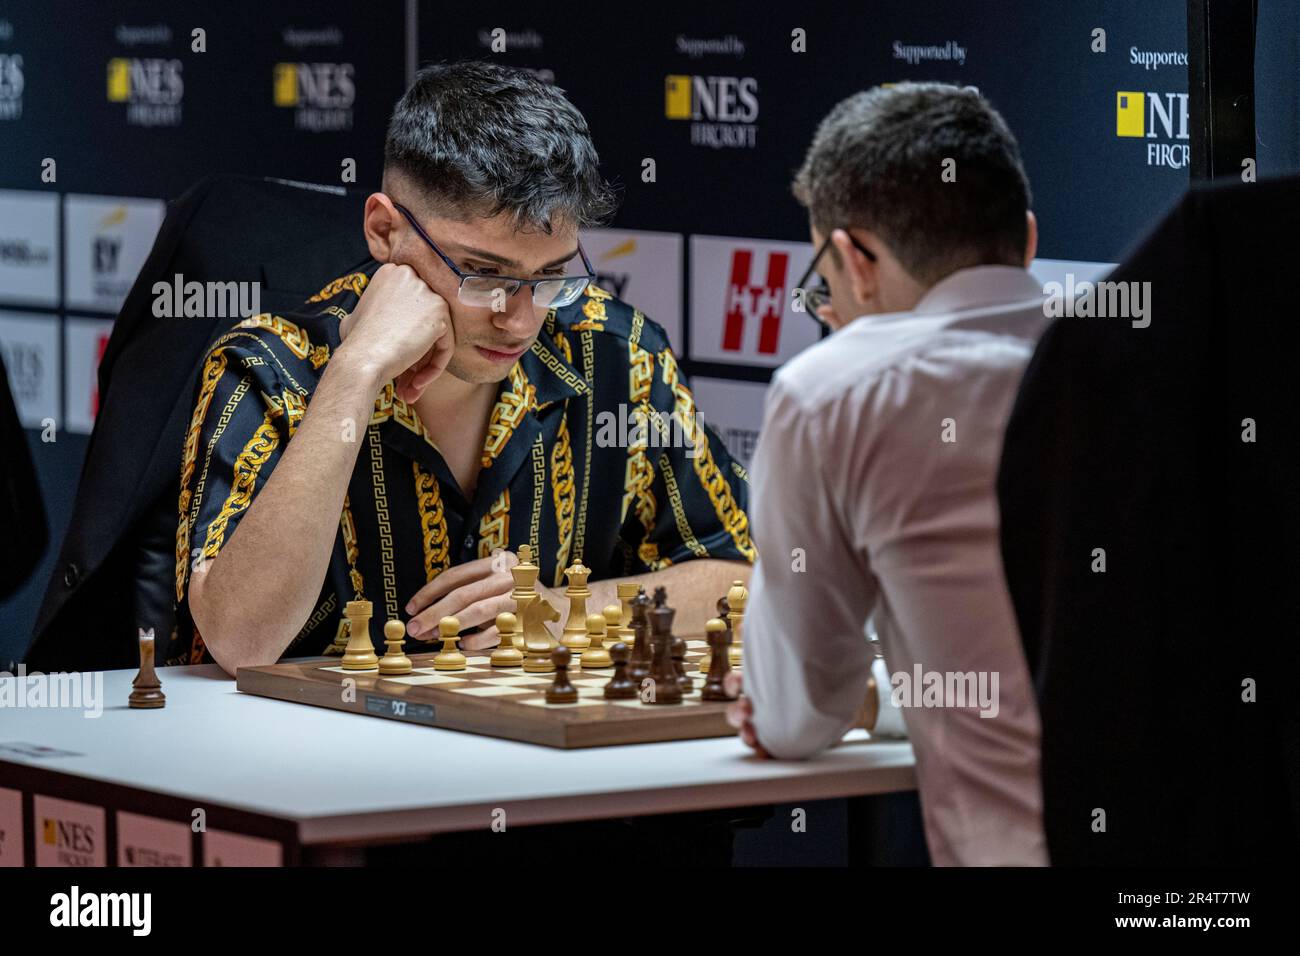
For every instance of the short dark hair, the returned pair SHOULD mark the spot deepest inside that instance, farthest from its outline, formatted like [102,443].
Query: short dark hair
[479,139]
[876,162]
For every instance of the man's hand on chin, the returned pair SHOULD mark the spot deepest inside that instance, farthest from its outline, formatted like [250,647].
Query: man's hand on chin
[474,593]
[741,714]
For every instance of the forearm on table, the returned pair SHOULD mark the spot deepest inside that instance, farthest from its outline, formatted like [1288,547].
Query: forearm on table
[693,589]
[259,590]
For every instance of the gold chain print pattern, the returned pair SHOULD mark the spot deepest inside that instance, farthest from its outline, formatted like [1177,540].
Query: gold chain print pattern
[563,493]
[714,483]
[494,528]
[508,412]
[433,523]
[352,282]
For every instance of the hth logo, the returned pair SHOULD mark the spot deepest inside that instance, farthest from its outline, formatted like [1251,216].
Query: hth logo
[1155,116]
[748,302]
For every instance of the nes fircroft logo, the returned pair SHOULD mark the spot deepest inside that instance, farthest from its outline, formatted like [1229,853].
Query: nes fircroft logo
[1159,117]
[721,109]
[320,94]
[151,88]
[756,296]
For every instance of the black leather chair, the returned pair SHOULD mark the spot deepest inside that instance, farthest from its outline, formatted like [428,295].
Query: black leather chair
[1131,440]
[116,568]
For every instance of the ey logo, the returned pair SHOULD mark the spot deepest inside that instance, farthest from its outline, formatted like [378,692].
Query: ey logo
[752,298]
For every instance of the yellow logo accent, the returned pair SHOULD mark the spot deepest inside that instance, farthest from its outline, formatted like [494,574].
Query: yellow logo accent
[677,97]
[622,249]
[119,80]
[115,217]
[286,84]
[1130,114]
[51,831]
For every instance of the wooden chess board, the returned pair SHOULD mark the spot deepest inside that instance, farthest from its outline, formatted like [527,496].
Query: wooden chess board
[496,701]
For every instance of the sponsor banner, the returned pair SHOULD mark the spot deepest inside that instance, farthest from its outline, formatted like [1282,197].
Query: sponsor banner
[734,410]
[30,346]
[644,269]
[742,306]
[29,247]
[148,841]
[221,848]
[314,85]
[84,341]
[1160,121]
[11,828]
[721,112]
[106,240]
[68,833]
[11,79]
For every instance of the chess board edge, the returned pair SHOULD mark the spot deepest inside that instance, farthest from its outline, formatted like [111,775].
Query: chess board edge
[308,681]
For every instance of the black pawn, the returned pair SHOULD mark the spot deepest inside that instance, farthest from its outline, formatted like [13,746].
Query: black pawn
[684,681]
[719,665]
[561,691]
[619,687]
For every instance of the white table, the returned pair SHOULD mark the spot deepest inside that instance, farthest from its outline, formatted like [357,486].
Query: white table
[307,776]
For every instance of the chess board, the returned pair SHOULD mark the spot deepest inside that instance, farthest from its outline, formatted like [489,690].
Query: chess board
[496,701]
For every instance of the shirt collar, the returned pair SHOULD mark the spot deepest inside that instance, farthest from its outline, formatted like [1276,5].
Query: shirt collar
[979,287]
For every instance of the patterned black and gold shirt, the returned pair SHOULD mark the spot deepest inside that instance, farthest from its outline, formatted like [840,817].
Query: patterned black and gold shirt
[593,451]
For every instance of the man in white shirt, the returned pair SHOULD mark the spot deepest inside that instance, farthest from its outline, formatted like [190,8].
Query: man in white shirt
[874,477]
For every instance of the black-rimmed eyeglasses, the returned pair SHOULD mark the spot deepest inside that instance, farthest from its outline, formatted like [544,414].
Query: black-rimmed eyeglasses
[820,294]
[482,290]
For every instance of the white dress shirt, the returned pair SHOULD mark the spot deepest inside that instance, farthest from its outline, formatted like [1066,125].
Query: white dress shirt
[860,505]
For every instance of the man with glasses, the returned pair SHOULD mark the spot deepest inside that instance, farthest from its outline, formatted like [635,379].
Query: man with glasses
[919,209]
[465,392]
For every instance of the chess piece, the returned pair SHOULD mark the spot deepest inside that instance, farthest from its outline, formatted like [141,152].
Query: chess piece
[723,608]
[538,642]
[627,592]
[716,633]
[506,654]
[684,681]
[736,598]
[620,687]
[394,663]
[360,654]
[639,665]
[561,691]
[595,654]
[525,575]
[146,689]
[575,630]
[665,688]
[449,658]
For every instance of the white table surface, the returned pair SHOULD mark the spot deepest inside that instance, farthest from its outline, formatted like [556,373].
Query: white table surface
[349,778]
